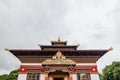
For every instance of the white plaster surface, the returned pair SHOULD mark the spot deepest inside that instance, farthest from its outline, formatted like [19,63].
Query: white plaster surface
[94,77]
[22,76]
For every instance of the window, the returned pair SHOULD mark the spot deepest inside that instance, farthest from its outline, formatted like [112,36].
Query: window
[32,76]
[85,76]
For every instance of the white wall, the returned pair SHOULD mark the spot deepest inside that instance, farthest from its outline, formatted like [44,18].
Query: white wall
[31,64]
[94,77]
[86,64]
[22,76]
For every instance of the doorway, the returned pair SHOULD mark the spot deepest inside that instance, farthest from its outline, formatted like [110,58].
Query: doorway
[58,75]
[58,79]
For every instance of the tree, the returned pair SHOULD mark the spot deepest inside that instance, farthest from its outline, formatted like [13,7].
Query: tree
[12,76]
[3,77]
[111,72]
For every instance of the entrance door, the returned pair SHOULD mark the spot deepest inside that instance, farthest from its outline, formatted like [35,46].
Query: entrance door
[58,79]
[58,75]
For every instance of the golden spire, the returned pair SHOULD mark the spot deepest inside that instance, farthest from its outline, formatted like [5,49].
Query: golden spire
[58,38]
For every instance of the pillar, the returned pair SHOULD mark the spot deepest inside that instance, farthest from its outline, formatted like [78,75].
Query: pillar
[70,77]
[94,77]
[46,76]
[50,78]
[78,76]
[42,77]
[66,78]
[22,76]
[74,76]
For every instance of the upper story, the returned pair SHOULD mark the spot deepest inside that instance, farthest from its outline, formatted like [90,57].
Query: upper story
[58,45]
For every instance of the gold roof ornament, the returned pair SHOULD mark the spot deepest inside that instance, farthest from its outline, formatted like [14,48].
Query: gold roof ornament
[59,40]
[110,49]
[59,58]
[59,55]
[7,49]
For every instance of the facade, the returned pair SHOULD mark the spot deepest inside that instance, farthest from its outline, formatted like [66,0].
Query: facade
[58,61]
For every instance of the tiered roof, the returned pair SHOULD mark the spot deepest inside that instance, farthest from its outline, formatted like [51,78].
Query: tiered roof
[50,50]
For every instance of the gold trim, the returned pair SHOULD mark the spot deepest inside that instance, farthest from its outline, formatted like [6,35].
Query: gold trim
[7,49]
[110,49]
[59,58]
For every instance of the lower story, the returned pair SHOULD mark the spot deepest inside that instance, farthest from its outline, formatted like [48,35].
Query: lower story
[38,72]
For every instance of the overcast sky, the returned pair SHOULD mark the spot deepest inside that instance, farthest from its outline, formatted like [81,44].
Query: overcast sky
[94,24]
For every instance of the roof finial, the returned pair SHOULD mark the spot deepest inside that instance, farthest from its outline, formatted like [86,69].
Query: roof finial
[58,38]
[110,48]
[7,49]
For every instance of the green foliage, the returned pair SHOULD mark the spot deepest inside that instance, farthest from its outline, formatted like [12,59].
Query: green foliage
[4,77]
[111,72]
[12,76]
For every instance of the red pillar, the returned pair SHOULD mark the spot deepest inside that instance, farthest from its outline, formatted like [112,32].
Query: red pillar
[70,78]
[46,76]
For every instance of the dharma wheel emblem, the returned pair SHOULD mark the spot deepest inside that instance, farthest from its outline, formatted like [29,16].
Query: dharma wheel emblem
[58,61]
